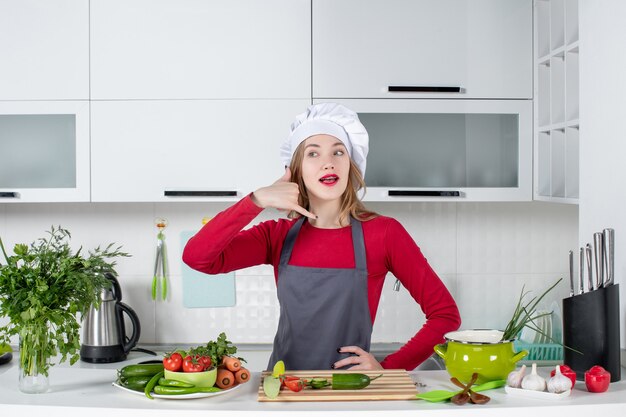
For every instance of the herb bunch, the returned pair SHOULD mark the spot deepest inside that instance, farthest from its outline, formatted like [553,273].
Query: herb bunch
[43,288]
[216,349]
[525,315]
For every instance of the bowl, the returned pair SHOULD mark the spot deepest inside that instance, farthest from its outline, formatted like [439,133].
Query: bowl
[198,379]
[478,351]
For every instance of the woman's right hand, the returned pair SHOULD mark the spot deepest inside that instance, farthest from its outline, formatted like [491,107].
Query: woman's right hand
[282,195]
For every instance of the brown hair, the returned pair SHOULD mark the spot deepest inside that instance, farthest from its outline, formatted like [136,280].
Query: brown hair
[350,203]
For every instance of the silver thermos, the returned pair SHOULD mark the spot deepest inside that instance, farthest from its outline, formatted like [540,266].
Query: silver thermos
[104,336]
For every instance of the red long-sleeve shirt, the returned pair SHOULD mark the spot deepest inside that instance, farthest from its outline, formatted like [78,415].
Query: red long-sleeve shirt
[222,246]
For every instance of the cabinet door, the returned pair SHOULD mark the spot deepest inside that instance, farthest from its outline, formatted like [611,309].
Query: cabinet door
[483,47]
[45,151]
[44,45]
[447,150]
[143,149]
[192,49]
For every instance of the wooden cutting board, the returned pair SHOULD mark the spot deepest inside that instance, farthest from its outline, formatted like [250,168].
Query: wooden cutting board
[395,384]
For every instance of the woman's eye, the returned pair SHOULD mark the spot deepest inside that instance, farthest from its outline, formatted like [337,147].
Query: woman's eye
[339,153]
[312,154]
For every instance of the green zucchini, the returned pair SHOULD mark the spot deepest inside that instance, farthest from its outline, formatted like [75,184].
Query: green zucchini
[136,383]
[351,381]
[148,369]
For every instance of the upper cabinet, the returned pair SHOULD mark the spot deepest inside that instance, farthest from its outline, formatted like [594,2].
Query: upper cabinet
[556,101]
[470,49]
[187,150]
[45,151]
[191,49]
[44,47]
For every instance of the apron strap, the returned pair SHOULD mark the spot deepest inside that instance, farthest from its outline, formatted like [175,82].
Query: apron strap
[290,240]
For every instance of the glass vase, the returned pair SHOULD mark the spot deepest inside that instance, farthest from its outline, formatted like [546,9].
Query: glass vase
[34,360]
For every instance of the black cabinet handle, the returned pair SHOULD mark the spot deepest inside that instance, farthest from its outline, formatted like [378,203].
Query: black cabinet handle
[422,89]
[201,193]
[9,194]
[422,193]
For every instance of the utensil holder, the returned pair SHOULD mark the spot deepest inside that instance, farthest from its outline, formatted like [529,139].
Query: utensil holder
[591,326]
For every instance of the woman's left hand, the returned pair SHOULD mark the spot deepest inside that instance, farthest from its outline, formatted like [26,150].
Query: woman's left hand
[363,361]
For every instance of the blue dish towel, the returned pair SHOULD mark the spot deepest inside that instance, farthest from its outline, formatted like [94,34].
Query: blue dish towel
[204,291]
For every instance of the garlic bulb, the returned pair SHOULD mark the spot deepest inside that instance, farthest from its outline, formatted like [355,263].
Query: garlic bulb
[534,381]
[559,383]
[514,380]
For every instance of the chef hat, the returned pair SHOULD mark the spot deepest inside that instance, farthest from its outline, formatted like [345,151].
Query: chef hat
[328,119]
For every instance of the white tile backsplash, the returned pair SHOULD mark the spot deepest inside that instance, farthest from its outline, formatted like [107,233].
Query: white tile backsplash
[484,252]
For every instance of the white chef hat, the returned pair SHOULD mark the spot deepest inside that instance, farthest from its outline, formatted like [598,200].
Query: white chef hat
[329,119]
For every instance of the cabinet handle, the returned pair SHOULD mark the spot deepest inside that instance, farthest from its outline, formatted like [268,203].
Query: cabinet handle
[421,193]
[9,194]
[422,89]
[205,193]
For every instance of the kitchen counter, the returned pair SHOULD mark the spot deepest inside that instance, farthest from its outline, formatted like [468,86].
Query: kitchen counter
[85,389]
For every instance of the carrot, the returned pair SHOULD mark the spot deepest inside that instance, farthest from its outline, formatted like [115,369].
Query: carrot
[242,375]
[225,378]
[232,364]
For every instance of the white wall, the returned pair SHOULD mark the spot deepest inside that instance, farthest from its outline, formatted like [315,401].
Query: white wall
[484,252]
[603,138]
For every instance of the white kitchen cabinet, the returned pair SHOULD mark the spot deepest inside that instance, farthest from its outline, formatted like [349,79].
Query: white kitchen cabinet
[447,150]
[423,47]
[200,49]
[45,151]
[192,150]
[556,101]
[44,45]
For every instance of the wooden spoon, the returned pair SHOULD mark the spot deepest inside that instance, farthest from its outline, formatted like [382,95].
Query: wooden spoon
[463,396]
[474,397]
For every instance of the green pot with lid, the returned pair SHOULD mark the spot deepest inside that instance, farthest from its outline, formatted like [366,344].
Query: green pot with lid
[478,351]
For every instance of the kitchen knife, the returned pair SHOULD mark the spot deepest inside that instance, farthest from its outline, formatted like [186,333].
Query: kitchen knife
[571,273]
[589,268]
[598,246]
[609,255]
[581,271]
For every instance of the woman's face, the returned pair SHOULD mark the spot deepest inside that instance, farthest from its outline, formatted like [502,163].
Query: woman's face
[325,167]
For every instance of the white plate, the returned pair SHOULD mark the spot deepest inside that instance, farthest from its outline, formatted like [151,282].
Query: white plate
[557,325]
[178,397]
[541,395]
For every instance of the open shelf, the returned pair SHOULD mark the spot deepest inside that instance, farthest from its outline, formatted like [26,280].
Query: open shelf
[557,101]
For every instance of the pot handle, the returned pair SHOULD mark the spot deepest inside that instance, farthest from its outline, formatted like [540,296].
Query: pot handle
[441,350]
[519,355]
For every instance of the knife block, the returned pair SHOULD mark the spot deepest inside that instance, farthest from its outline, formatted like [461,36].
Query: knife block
[591,326]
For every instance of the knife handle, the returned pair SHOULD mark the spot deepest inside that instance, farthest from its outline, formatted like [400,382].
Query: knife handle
[581,271]
[609,255]
[589,268]
[571,274]
[598,246]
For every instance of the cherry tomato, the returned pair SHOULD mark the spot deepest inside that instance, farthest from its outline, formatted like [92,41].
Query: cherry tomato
[568,372]
[205,361]
[173,362]
[191,364]
[597,379]
[294,384]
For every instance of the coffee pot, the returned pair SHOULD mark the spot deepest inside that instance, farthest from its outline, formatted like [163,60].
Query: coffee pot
[104,336]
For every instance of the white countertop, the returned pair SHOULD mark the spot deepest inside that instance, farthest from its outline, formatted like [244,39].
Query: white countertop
[86,390]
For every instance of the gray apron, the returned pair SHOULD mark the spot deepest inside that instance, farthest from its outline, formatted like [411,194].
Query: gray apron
[321,309]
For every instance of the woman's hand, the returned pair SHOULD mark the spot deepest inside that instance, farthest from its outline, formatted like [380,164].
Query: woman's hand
[282,195]
[363,361]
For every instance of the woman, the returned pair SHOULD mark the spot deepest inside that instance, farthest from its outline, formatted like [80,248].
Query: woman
[331,258]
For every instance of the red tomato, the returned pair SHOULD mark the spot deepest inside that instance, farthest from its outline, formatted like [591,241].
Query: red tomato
[294,384]
[173,362]
[192,364]
[568,372]
[205,361]
[597,379]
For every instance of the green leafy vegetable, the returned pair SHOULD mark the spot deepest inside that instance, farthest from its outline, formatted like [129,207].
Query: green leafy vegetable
[43,287]
[216,350]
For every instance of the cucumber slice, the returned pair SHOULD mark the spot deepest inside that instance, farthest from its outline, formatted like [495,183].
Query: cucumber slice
[271,386]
